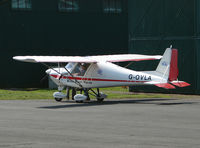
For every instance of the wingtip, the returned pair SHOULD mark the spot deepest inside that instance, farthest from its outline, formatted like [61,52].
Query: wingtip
[24,59]
[18,58]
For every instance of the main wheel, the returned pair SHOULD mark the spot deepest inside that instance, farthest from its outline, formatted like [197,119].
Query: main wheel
[100,99]
[58,99]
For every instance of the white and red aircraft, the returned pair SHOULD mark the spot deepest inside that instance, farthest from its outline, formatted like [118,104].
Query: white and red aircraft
[88,72]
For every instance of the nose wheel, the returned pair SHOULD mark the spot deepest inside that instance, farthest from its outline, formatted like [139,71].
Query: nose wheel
[58,99]
[58,96]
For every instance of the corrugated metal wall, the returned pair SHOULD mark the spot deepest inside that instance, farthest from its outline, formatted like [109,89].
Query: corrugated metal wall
[44,30]
[155,25]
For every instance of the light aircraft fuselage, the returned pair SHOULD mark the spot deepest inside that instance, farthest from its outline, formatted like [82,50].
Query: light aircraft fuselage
[105,74]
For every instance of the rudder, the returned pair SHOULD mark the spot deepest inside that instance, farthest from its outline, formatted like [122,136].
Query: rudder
[173,73]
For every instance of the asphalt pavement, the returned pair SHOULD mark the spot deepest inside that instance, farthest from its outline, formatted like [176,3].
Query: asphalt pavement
[127,123]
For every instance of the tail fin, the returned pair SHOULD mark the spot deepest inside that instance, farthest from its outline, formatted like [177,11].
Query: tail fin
[168,65]
[168,68]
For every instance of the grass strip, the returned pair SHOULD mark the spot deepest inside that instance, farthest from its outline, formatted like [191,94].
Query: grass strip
[34,94]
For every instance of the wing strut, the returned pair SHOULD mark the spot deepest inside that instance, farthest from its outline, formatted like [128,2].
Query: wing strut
[76,81]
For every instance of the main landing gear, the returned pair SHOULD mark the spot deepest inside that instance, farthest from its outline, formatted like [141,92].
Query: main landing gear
[79,98]
[58,96]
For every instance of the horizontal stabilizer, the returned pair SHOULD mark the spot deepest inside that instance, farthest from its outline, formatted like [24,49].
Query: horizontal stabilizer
[165,85]
[180,83]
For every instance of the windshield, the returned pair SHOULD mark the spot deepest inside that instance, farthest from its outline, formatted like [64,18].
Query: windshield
[70,66]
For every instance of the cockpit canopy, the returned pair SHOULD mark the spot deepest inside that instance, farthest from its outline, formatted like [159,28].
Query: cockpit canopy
[77,69]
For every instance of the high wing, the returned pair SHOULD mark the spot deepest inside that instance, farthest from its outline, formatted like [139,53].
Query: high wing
[87,59]
[126,57]
[54,59]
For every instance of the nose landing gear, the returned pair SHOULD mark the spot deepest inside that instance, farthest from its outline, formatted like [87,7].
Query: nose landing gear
[58,96]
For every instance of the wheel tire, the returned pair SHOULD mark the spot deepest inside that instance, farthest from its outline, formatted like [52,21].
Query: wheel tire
[79,101]
[58,99]
[100,99]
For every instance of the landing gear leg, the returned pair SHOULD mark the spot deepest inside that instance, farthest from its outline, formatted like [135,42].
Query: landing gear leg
[67,92]
[58,96]
[87,94]
[100,96]
[73,93]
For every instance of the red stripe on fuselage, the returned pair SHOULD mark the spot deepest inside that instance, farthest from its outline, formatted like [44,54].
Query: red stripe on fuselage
[94,79]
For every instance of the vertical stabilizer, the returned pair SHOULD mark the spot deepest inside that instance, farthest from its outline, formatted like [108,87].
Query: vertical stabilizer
[164,65]
[168,65]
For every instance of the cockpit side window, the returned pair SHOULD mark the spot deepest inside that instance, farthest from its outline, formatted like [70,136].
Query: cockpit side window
[80,69]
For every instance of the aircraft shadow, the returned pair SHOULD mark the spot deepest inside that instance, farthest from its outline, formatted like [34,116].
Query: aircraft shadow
[72,104]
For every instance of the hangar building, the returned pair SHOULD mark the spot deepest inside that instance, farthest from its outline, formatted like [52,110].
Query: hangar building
[57,27]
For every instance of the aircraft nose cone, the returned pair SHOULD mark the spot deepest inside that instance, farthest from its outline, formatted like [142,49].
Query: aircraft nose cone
[48,71]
